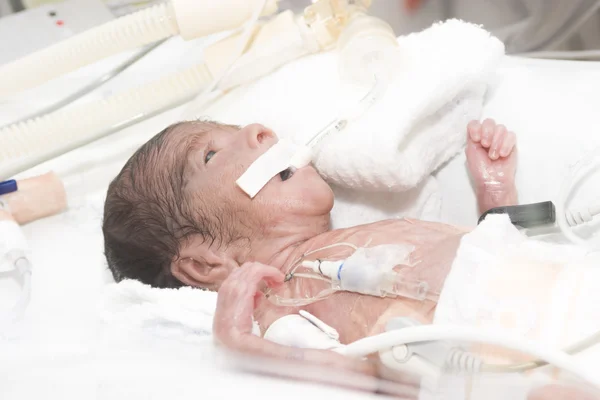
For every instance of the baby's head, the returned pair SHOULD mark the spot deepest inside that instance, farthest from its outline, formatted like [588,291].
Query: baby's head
[174,215]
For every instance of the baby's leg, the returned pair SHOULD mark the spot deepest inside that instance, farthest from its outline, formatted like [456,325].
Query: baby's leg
[492,161]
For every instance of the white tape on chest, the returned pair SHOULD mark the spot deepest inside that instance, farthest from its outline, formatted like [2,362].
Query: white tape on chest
[282,155]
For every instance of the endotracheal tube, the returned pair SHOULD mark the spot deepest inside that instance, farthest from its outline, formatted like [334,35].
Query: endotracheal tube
[368,56]
[371,271]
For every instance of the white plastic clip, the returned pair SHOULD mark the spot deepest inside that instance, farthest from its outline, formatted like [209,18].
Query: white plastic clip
[328,330]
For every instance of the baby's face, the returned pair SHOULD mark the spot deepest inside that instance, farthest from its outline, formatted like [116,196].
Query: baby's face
[218,158]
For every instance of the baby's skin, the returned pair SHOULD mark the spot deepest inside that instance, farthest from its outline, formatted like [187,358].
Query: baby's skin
[491,160]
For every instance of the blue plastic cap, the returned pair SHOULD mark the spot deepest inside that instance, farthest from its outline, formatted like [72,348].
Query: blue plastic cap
[8,187]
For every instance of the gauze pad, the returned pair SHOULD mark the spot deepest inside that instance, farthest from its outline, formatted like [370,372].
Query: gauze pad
[282,155]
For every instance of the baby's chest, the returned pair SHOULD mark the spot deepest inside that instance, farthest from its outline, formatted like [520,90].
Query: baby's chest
[357,316]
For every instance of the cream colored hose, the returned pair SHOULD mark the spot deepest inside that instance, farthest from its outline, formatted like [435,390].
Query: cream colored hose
[26,144]
[188,18]
[128,32]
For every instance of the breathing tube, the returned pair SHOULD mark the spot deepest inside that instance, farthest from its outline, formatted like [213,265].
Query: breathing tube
[368,53]
[272,44]
[26,144]
[368,56]
[188,18]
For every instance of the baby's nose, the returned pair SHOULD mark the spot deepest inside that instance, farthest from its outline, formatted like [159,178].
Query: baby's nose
[257,134]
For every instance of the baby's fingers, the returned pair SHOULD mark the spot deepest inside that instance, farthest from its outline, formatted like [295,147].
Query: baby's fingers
[487,132]
[508,145]
[498,138]
[474,131]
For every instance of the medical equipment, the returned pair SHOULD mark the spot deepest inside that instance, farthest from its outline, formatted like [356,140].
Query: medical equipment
[567,219]
[526,215]
[13,250]
[544,214]
[104,78]
[22,202]
[427,351]
[32,30]
[275,43]
[368,56]
[34,198]
[381,271]
[392,346]
[186,18]
[371,271]
[303,330]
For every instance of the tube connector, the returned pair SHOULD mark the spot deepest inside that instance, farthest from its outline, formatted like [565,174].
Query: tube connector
[328,18]
[330,269]
[201,18]
[368,47]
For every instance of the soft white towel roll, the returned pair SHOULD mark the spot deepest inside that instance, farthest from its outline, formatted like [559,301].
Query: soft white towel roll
[418,124]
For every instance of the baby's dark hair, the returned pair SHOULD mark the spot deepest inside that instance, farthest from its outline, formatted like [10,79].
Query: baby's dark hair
[147,214]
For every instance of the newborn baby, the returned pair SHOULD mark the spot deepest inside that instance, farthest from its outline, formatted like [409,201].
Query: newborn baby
[174,216]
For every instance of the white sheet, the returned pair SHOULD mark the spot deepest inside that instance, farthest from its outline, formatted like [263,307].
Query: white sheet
[66,353]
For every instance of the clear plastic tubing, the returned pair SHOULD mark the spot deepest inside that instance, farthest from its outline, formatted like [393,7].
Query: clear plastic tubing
[367,281]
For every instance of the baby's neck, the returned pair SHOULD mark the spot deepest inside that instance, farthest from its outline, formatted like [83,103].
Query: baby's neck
[284,259]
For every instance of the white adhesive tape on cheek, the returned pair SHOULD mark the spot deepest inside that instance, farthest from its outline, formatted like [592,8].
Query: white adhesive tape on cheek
[280,156]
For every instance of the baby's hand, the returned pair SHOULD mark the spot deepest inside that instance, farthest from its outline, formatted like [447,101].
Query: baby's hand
[492,162]
[491,154]
[236,301]
[495,139]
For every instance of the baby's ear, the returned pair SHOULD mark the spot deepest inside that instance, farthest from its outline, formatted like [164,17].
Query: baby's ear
[200,266]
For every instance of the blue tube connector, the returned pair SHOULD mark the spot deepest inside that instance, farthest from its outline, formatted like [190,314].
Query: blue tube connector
[8,187]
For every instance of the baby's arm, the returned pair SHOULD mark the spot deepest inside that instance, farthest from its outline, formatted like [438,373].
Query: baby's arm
[233,330]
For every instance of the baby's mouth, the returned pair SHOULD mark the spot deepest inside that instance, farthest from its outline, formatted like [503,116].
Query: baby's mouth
[286,174]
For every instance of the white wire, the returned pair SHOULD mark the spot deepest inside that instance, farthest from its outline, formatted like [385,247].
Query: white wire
[408,335]
[588,161]
[575,348]
[203,99]
[7,320]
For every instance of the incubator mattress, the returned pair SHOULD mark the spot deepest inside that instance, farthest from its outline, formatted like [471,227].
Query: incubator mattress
[66,352]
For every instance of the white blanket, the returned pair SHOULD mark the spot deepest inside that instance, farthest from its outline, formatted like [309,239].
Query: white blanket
[185,313]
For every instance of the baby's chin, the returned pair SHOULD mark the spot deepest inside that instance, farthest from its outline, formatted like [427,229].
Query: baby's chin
[304,189]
